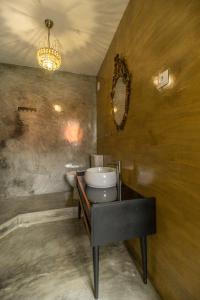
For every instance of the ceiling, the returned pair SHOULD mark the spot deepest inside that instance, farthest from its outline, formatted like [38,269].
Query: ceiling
[84,30]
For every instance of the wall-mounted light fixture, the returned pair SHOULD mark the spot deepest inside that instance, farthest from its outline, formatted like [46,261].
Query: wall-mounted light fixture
[98,86]
[164,80]
[57,107]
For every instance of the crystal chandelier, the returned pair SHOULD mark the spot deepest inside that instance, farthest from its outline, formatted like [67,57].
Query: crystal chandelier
[49,57]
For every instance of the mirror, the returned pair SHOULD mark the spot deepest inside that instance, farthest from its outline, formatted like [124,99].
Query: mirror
[120,92]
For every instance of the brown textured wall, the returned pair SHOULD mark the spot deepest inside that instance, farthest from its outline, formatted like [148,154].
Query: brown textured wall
[34,146]
[160,145]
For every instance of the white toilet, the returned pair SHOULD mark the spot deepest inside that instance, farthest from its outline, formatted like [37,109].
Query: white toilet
[71,177]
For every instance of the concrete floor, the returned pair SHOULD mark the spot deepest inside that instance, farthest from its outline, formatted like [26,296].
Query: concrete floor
[53,261]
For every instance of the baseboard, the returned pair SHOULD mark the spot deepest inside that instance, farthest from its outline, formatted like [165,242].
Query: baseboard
[28,219]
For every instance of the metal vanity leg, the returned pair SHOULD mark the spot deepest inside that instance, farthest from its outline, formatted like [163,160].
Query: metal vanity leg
[143,245]
[96,270]
[79,210]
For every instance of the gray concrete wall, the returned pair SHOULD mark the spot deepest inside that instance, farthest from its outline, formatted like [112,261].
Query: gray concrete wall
[35,146]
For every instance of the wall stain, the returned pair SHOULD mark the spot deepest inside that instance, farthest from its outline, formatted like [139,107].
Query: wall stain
[3,163]
[19,127]
[2,144]
[19,183]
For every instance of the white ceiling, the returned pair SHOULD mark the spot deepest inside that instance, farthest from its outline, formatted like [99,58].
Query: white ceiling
[84,29]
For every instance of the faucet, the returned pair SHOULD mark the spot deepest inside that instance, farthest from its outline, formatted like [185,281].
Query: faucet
[117,164]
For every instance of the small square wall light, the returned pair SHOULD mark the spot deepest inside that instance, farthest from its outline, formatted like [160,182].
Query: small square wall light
[57,108]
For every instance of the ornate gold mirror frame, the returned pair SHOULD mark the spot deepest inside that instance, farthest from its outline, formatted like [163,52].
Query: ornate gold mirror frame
[121,76]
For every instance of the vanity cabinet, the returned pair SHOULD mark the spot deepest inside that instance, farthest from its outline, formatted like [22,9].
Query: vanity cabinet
[108,219]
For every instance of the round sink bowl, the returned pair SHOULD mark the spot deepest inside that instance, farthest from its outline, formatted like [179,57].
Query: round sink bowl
[96,195]
[101,177]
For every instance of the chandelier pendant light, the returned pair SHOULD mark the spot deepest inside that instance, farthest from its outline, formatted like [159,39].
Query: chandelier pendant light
[49,57]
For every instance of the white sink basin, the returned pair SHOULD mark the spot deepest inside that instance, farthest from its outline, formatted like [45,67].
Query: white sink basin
[101,177]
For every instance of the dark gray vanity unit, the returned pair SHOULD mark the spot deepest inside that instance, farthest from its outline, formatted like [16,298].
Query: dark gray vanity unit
[108,219]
